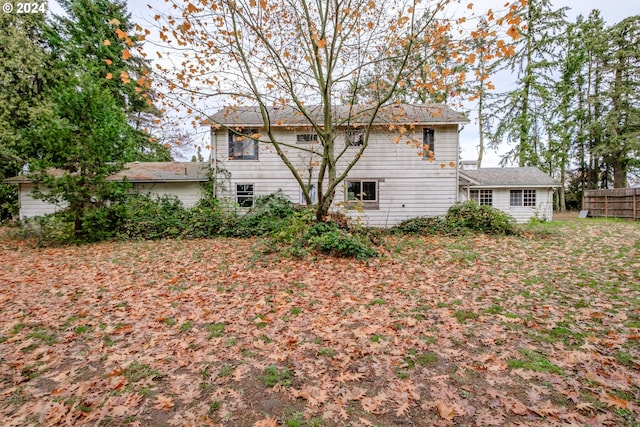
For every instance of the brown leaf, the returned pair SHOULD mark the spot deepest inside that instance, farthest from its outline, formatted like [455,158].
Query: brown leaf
[163,403]
[445,410]
[515,406]
[119,411]
[402,409]
[357,393]
[267,422]
[616,401]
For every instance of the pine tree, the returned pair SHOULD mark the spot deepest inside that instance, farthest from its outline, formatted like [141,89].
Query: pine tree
[521,111]
[96,39]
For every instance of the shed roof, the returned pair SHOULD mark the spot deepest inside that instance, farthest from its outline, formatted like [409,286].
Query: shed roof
[508,177]
[344,115]
[146,172]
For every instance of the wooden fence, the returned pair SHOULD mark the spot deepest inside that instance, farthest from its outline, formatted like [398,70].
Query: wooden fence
[618,203]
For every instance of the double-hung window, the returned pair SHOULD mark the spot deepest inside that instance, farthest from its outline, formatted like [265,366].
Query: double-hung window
[428,144]
[244,195]
[525,198]
[482,197]
[242,146]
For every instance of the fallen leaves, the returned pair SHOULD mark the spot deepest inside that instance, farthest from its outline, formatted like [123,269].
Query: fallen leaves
[363,344]
[445,410]
[163,403]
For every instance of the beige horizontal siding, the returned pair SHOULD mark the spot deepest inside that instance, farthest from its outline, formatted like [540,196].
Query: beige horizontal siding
[380,154]
[31,207]
[408,185]
[189,193]
[501,200]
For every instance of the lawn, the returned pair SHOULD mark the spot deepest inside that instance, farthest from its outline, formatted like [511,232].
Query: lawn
[439,331]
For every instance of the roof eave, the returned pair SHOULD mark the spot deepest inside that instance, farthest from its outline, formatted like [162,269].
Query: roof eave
[487,186]
[224,126]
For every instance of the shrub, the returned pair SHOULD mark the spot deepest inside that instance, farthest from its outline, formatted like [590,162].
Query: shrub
[151,218]
[484,219]
[422,226]
[270,213]
[47,230]
[339,242]
[207,219]
[103,223]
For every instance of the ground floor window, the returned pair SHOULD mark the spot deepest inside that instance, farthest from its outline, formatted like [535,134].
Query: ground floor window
[522,198]
[482,197]
[362,190]
[365,191]
[244,195]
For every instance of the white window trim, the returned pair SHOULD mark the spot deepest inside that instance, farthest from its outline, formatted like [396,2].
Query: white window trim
[432,146]
[365,204]
[488,194]
[252,196]
[524,200]
[312,138]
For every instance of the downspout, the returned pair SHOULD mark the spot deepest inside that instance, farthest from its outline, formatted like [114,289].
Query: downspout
[458,163]
[213,158]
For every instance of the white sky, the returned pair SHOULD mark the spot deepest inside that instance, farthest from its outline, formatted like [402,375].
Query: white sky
[612,11]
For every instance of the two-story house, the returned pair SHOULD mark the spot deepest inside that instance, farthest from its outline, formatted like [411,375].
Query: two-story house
[409,168]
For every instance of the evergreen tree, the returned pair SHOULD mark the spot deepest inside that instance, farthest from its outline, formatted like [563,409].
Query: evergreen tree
[521,111]
[25,76]
[94,40]
[621,123]
[86,138]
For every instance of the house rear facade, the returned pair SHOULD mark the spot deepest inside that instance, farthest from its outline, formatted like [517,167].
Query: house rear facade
[409,168]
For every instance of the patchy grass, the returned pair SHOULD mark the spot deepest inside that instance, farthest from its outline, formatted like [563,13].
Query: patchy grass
[536,330]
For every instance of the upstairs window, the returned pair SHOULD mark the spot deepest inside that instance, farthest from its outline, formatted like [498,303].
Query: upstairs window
[241,146]
[428,144]
[306,138]
[482,197]
[355,137]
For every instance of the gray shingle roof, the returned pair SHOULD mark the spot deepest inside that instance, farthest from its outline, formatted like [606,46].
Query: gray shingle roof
[163,172]
[344,115]
[508,177]
[146,172]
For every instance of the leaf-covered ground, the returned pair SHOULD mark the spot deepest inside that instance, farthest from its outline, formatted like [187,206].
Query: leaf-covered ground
[444,331]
